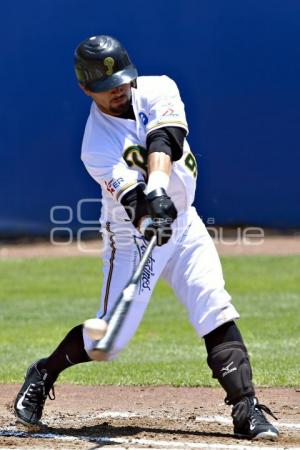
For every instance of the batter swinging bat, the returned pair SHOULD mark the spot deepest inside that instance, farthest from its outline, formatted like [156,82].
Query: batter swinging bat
[119,312]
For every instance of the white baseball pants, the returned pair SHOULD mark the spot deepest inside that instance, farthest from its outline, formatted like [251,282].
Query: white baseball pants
[188,262]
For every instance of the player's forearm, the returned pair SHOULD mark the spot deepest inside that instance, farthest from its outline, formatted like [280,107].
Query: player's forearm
[164,145]
[159,170]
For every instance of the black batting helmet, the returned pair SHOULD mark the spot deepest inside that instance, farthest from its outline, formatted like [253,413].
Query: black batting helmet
[102,63]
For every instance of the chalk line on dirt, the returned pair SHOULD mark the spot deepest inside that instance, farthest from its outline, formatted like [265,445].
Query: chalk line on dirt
[145,442]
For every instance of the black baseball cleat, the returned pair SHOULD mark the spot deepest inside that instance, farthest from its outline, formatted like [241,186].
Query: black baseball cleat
[250,422]
[31,398]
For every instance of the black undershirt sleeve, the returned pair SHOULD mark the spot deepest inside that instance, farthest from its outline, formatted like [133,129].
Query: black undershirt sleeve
[167,140]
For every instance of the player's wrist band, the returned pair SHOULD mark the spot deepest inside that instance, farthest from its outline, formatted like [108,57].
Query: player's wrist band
[157,179]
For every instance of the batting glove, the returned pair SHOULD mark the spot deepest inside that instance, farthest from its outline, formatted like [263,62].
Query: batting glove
[163,213]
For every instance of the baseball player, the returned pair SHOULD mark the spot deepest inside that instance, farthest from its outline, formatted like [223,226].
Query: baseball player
[135,147]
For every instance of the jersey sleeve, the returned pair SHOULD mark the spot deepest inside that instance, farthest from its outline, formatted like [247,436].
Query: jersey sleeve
[166,107]
[113,175]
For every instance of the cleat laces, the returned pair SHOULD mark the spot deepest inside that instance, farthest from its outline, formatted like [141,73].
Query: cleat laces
[257,413]
[36,395]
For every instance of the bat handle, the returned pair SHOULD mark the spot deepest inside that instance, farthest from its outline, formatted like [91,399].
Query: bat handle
[138,272]
[140,268]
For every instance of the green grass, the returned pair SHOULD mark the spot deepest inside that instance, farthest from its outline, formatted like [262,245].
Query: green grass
[41,299]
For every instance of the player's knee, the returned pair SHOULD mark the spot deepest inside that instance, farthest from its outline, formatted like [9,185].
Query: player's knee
[98,355]
[93,353]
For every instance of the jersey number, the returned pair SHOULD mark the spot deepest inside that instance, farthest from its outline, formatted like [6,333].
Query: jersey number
[191,163]
[136,156]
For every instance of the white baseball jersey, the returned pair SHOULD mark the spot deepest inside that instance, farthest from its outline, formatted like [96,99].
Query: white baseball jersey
[114,153]
[114,149]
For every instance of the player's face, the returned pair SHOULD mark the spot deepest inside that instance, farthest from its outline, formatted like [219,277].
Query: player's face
[114,102]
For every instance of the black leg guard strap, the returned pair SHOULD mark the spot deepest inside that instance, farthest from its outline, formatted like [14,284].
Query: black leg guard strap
[230,364]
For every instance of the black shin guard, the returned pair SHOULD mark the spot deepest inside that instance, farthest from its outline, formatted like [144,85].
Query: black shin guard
[230,364]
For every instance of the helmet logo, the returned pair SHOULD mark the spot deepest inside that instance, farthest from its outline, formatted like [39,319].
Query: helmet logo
[109,63]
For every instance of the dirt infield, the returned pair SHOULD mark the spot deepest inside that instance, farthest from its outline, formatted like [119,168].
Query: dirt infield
[91,417]
[226,245]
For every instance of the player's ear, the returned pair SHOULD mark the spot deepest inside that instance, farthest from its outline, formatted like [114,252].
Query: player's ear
[84,89]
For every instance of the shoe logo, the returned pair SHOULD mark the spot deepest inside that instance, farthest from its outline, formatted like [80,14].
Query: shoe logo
[252,425]
[227,369]
[20,401]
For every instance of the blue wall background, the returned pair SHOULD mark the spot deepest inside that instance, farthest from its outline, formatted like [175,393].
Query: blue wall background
[237,64]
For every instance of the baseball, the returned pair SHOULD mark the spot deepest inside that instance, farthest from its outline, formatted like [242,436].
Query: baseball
[95,328]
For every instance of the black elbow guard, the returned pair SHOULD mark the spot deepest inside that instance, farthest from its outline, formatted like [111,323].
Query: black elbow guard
[167,140]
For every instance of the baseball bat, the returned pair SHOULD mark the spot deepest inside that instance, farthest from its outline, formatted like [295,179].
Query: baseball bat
[121,308]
